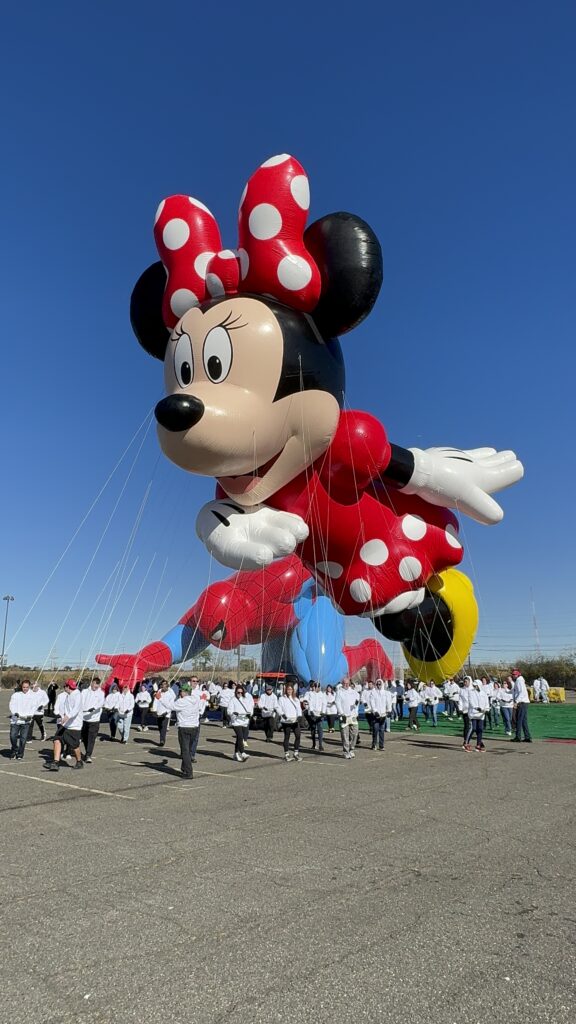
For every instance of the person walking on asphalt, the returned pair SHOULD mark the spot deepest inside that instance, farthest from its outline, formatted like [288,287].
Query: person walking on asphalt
[290,711]
[187,708]
[68,733]
[347,700]
[38,717]
[92,705]
[521,702]
[240,710]
[22,707]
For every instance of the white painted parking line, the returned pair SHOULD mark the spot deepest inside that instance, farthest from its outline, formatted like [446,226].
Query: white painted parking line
[67,785]
[225,775]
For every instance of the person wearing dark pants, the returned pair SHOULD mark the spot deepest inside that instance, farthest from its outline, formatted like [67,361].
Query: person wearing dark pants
[316,710]
[521,702]
[143,701]
[240,711]
[268,705]
[163,706]
[380,704]
[92,705]
[68,732]
[478,704]
[22,707]
[463,701]
[187,708]
[290,711]
[331,709]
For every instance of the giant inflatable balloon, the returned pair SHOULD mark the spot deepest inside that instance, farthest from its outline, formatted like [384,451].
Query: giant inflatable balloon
[278,607]
[254,376]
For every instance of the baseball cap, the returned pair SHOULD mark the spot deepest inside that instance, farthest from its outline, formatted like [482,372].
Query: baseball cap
[516,672]
[71,683]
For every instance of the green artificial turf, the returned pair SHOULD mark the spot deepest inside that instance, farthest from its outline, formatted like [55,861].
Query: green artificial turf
[545,721]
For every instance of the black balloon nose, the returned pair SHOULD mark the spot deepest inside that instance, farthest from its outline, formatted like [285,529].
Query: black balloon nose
[179,412]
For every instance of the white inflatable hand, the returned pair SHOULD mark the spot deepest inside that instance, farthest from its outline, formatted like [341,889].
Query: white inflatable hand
[464,479]
[248,539]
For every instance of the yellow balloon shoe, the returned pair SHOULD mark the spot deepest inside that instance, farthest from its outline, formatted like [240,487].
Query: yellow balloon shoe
[437,635]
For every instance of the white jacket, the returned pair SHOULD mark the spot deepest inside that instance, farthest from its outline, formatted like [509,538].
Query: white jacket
[520,692]
[464,693]
[268,704]
[289,709]
[331,708]
[432,695]
[317,703]
[225,697]
[58,705]
[111,700]
[347,701]
[506,697]
[164,702]
[41,701]
[240,709]
[22,706]
[188,708]
[126,703]
[143,699]
[380,701]
[478,703]
[412,698]
[92,704]
[72,711]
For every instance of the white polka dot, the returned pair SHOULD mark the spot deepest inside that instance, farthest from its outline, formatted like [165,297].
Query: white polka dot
[452,536]
[159,211]
[274,160]
[242,197]
[182,300]
[360,591]
[410,568]
[332,569]
[264,221]
[226,254]
[201,262]
[294,273]
[413,527]
[176,233]
[196,202]
[374,552]
[300,190]
[244,262]
[214,285]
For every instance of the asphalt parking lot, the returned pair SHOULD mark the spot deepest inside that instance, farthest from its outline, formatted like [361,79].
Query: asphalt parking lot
[420,884]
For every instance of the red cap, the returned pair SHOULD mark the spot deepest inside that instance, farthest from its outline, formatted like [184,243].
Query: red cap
[516,672]
[71,683]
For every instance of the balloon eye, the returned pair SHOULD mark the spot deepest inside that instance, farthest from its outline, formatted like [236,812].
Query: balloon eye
[217,354]
[184,361]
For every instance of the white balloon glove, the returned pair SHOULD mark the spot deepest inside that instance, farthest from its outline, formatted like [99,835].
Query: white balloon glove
[248,539]
[464,480]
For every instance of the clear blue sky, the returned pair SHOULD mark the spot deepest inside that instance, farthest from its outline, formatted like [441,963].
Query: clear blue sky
[448,126]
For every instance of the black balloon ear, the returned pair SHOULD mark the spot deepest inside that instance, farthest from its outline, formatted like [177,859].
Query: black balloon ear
[349,258]
[146,311]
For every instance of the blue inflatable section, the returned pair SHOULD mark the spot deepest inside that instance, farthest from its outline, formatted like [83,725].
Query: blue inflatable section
[315,646]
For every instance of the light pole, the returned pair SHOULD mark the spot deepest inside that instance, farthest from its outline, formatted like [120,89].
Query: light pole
[7,598]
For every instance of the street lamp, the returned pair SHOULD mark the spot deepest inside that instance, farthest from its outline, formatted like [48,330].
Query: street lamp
[7,598]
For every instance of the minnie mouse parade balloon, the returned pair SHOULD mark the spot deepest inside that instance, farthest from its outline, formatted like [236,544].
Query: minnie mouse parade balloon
[254,377]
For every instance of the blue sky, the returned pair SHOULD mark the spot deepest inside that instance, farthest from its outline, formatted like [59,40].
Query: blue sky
[448,127]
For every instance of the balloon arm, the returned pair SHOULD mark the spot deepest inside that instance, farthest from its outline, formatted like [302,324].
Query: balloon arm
[132,668]
[462,479]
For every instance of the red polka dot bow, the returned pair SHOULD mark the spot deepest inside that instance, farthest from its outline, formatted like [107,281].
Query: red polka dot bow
[271,258]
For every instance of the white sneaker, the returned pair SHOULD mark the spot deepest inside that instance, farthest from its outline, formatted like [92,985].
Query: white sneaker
[237,757]
[297,755]
[288,757]
[145,729]
[68,758]
[352,754]
[244,757]
[138,728]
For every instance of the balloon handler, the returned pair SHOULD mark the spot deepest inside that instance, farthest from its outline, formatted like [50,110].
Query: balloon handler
[254,376]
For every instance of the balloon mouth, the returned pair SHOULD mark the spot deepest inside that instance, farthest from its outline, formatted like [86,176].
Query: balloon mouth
[246,482]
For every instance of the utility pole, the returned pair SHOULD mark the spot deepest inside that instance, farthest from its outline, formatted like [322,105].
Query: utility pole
[535,624]
[7,598]
[238,663]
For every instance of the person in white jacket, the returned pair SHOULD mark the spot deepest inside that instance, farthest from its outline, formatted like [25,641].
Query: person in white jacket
[463,696]
[331,709]
[111,702]
[506,698]
[163,706]
[125,712]
[92,705]
[69,731]
[290,711]
[365,701]
[412,698]
[432,696]
[347,701]
[22,707]
[143,701]
[544,690]
[224,699]
[188,707]
[268,705]
[521,702]
[316,710]
[380,700]
[478,705]
[38,717]
[240,710]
